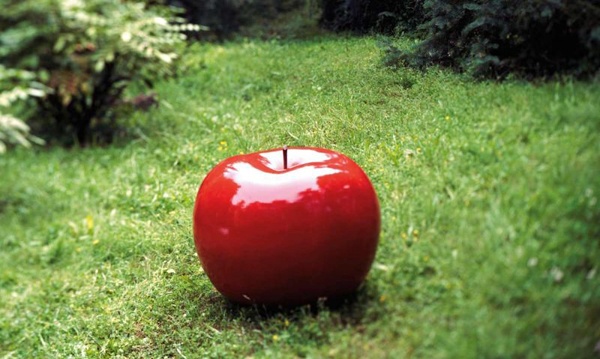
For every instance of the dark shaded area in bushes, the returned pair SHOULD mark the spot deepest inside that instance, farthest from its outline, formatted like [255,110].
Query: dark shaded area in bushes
[530,38]
[225,17]
[541,38]
[362,16]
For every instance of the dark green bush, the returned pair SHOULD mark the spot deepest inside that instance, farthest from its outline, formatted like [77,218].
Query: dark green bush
[384,16]
[494,38]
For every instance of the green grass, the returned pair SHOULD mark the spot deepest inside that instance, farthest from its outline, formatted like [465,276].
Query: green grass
[490,242]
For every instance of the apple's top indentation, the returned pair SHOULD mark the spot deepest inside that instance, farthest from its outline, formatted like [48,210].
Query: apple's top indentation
[284,176]
[278,186]
[276,176]
[295,157]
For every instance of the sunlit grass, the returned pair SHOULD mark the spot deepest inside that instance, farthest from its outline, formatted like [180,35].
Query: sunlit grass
[489,243]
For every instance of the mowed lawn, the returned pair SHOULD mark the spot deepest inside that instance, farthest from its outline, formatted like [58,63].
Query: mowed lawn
[490,240]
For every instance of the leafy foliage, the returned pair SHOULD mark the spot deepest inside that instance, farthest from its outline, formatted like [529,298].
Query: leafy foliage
[87,53]
[494,38]
[14,131]
[17,85]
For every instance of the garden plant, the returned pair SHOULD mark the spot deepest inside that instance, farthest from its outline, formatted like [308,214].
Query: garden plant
[76,59]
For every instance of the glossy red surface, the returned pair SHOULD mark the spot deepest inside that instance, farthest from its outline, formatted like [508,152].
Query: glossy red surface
[275,236]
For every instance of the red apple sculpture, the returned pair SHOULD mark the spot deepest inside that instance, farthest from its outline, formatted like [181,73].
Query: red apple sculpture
[286,227]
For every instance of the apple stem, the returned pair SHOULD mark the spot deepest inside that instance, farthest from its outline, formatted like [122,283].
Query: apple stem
[285,148]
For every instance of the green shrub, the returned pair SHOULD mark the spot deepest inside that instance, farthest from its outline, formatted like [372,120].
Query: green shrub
[86,53]
[498,37]
[16,85]
[14,131]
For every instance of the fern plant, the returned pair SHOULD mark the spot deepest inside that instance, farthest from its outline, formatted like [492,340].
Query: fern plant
[17,85]
[13,132]
[86,53]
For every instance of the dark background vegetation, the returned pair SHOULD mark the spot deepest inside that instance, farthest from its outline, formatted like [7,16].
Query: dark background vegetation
[530,39]
[225,17]
[485,38]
